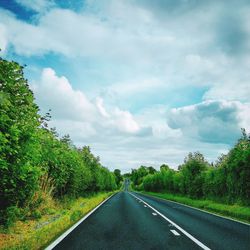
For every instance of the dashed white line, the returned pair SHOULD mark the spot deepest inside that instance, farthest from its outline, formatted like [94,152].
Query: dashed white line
[175,225]
[154,214]
[204,211]
[175,232]
[145,206]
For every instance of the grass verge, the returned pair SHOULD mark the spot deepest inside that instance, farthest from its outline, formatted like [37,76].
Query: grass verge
[38,233]
[235,211]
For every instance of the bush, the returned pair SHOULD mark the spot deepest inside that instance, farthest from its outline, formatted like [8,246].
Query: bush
[13,213]
[36,214]
[75,216]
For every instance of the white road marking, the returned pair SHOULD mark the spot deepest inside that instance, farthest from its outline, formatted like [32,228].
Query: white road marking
[145,206]
[175,232]
[59,239]
[154,214]
[174,224]
[204,211]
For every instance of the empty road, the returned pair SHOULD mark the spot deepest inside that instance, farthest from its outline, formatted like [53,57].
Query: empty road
[135,221]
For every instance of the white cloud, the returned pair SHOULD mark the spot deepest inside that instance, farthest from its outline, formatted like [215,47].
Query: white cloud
[56,93]
[210,121]
[101,108]
[244,116]
[233,89]
[125,121]
[3,39]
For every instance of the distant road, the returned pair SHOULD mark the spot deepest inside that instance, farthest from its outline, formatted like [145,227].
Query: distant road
[136,221]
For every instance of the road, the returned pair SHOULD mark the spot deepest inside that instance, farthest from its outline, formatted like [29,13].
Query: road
[135,221]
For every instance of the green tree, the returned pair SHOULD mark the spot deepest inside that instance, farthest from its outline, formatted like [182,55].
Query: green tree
[19,122]
[238,170]
[118,177]
[194,165]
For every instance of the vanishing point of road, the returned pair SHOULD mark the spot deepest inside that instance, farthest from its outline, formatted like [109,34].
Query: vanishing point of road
[131,220]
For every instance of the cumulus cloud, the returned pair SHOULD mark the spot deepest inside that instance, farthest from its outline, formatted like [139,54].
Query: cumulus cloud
[210,121]
[125,121]
[56,93]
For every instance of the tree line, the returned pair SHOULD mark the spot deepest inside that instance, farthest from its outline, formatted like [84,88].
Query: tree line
[227,180]
[33,158]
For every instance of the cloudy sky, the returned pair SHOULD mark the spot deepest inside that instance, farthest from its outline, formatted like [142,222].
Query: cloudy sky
[140,81]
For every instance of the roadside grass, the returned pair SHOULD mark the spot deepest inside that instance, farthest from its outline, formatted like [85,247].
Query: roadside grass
[238,212]
[40,232]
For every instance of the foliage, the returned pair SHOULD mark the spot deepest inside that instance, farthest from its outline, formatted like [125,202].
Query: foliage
[34,161]
[19,123]
[38,233]
[233,211]
[138,175]
[118,177]
[226,181]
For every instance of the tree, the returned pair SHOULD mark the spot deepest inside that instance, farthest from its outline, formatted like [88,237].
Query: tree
[118,177]
[194,165]
[164,166]
[19,122]
[238,170]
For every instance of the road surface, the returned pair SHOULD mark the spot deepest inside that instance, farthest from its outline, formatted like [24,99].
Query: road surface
[135,221]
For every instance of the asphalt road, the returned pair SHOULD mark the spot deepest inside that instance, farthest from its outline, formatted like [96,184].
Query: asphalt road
[135,221]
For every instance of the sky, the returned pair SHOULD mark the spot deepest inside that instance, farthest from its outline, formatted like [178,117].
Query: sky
[141,82]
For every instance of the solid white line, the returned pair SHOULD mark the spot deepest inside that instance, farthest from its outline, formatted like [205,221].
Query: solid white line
[204,211]
[178,227]
[175,232]
[60,238]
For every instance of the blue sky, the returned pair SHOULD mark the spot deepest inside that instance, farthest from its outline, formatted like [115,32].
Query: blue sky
[140,81]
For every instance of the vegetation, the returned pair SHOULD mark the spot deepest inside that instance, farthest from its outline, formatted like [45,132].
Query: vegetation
[226,181]
[234,211]
[37,233]
[35,163]
[118,177]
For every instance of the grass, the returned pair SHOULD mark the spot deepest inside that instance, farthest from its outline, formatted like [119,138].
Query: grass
[40,232]
[238,212]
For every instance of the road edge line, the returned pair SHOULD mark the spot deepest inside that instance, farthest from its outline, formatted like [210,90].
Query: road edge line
[174,224]
[67,232]
[199,209]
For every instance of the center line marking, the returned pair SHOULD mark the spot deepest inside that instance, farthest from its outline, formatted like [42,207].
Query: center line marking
[191,237]
[175,232]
